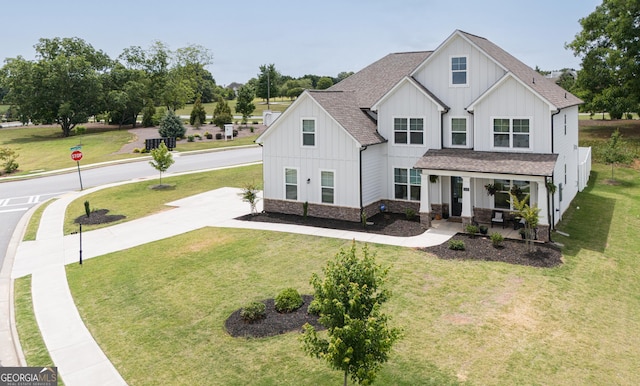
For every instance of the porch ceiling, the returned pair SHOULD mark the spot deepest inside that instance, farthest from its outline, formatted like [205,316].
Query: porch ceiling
[467,160]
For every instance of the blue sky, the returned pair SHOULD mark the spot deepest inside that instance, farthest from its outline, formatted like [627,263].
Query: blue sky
[300,37]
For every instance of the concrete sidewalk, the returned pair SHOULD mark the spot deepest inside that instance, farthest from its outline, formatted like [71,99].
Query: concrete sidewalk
[79,359]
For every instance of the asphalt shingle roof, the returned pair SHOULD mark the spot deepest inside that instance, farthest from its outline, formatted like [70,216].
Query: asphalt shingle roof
[526,164]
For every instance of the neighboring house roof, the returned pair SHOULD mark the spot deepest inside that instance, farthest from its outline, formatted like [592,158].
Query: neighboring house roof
[553,93]
[374,81]
[526,164]
[343,107]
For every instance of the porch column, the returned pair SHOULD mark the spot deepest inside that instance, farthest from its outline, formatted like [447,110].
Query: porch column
[466,200]
[543,199]
[425,206]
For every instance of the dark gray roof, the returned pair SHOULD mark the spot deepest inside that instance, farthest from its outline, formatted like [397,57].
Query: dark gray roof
[467,160]
[343,107]
[555,94]
[374,81]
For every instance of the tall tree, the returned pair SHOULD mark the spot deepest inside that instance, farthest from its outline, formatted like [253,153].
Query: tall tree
[63,85]
[245,104]
[609,45]
[348,300]
[324,83]
[198,113]
[222,113]
[268,82]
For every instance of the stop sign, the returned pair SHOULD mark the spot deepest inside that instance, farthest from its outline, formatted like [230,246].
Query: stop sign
[76,155]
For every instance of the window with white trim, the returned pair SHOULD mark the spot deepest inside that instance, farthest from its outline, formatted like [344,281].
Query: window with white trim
[458,131]
[459,70]
[502,199]
[408,131]
[327,186]
[308,132]
[511,133]
[406,184]
[290,184]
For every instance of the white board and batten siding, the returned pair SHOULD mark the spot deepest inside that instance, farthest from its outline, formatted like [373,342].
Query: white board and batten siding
[335,150]
[513,100]
[565,145]
[374,175]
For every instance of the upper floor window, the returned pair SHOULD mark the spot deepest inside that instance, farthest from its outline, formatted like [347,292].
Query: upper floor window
[408,131]
[459,70]
[291,184]
[458,131]
[308,132]
[327,186]
[511,133]
[406,183]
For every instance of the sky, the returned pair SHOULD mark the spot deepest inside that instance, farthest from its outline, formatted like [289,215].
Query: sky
[299,37]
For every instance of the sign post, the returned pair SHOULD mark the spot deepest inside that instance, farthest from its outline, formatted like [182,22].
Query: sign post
[76,155]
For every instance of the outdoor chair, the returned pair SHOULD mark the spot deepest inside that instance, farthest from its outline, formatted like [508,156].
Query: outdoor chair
[498,218]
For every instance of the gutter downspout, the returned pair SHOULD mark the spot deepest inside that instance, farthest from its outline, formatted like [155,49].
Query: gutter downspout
[362,148]
[551,215]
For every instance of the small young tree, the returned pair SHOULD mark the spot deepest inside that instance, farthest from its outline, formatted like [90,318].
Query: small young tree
[250,194]
[615,151]
[171,125]
[349,299]
[8,158]
[222,113]
[162,159]
[198,113]
[245,104]
[529,214]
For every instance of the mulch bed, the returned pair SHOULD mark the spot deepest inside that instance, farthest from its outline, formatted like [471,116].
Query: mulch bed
[274,323]
[391,224]
[99,216]
[512,252]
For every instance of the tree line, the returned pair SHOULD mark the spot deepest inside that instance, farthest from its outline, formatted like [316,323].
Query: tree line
[70,81]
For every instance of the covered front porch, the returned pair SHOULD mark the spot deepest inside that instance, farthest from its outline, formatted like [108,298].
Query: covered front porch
[474,187]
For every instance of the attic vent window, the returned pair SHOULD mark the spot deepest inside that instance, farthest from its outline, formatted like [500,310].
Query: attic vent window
[459,71]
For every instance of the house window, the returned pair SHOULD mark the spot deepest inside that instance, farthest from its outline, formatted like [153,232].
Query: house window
[511,133]
[502,199]
[291,184]
[408,131]
[458,131]
[459,70]
[407,184]
[327,187]
[308,132]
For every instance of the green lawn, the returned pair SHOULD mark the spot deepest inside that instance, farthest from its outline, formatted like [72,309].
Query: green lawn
[158,310]
[275,104]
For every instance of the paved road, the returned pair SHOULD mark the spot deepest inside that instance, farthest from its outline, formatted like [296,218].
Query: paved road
[16,197]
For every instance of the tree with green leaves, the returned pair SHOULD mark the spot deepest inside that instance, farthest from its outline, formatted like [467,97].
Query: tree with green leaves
[222,113]
[324,83]
[615,151]
[530,215]
[162,159]
[349,300]
[171,125]
[198,114]
[245,104]
[609,45]
[8,159]
[268,82]
[64,85]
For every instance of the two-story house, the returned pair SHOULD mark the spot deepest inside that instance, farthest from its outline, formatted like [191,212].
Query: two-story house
[428,131]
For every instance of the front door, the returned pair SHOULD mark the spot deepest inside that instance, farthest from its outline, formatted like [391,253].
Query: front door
[456,196]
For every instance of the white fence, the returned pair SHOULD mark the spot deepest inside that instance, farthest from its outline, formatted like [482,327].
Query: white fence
[584,167]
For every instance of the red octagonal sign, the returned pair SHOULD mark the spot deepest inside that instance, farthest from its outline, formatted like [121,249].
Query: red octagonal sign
[76,155]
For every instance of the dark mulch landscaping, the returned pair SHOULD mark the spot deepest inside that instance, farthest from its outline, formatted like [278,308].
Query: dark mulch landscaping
[274,323]
[512,252]
[99,216]
[392,224]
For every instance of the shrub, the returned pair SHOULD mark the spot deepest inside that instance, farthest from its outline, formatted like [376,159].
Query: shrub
[136,150]
[80,130]
[456,245]
[471,229]
[288,300]
[255,122]
[191,138]
[496,239]
[253,311]
[410,214]
[171,125]
[483,229]
[314,308]
[218,135]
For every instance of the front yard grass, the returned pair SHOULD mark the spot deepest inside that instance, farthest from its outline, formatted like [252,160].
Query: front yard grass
[158,310]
